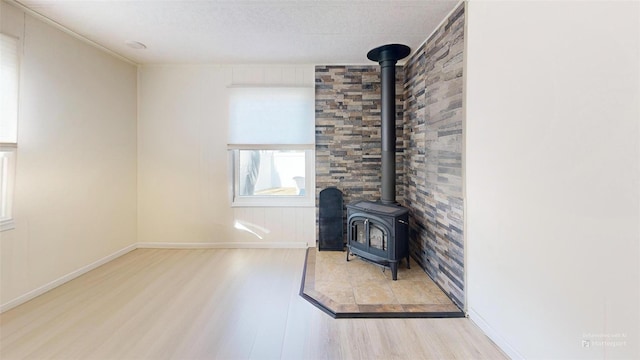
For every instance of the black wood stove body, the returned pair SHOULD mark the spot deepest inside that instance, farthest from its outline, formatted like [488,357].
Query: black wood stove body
[378,233]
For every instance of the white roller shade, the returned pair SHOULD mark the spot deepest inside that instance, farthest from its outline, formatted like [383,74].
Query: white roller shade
[8,89]
[271,115]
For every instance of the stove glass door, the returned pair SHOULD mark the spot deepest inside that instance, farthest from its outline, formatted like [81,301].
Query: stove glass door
[377,237]
[360,231]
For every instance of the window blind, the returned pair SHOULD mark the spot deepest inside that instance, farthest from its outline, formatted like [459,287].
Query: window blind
[271,115]
[8,89]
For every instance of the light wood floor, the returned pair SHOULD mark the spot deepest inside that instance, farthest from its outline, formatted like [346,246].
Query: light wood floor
[215,304]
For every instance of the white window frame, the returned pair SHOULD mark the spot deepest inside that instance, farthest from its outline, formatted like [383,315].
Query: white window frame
[306,200]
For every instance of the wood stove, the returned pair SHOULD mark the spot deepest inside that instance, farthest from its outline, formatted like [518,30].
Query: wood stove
[379,231]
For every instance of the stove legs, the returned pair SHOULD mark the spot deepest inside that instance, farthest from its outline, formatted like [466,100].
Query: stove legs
[394,270]
[393,265]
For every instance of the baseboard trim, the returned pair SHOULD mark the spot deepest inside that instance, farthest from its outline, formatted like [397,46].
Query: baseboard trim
[66,278]
[223,245]
[498,339]
[145,245]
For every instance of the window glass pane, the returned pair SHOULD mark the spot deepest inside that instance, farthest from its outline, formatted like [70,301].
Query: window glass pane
[4,184]
[7,170]
[8,89]
[271,172]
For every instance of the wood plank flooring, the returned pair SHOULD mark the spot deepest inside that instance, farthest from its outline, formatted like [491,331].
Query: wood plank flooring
[215,304]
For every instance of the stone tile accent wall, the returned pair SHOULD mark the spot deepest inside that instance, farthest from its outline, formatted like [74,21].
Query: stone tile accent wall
[348,139]
[429,129]
[433,132]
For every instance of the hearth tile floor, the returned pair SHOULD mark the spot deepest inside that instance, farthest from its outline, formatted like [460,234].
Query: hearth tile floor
[360,289]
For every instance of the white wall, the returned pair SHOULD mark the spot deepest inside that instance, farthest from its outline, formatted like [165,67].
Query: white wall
[183,168]
[75,195]
[552,169]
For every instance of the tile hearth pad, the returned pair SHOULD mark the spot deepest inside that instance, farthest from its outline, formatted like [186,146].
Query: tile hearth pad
[360,289]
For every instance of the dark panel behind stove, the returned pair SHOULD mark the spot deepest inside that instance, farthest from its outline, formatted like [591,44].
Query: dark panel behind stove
[331,220]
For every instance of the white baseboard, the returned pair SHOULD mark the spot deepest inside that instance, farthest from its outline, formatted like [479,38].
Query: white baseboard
[72,275]
[498,339]
[146,245]
[223,245]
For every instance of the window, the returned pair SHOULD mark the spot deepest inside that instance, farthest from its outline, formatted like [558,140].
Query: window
[271,142]
[8,126]
[273,176]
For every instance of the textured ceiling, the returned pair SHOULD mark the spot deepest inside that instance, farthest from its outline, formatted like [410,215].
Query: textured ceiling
[247,31]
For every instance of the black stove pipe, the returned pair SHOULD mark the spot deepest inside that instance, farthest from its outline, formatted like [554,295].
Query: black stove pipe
[387,56]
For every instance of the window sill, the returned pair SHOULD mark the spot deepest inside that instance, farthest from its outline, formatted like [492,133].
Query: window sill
[273,203]
[7,224]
